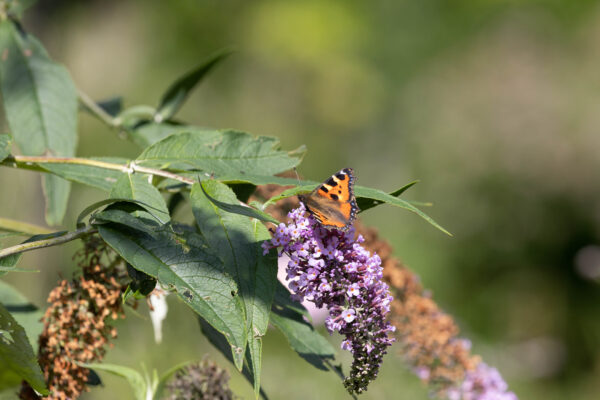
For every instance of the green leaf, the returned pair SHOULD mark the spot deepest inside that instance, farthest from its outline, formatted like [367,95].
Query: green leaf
[112,106]
[179,90]
[9,262]
[141,284]
[161,384]
[228,153]
[133,377]
[183,262]
[137,187]
[130,202]
[5,142]
[26,228]
[146,133]
[220,343]
[365,203]
[237,240]
[56,192]
[308,343]
[383,197]
[24,312]
[16,353]
[239,209]
[40,103]
[98,177]
[18,7]
[373,197]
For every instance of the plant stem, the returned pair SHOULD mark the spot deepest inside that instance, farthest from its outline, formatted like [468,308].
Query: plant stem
[39,244]
[29,162]
[97,110]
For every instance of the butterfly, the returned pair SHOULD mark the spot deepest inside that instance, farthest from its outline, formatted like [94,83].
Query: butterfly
[333,203]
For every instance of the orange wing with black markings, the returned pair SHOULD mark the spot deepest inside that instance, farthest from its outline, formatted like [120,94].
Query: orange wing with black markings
[333,203]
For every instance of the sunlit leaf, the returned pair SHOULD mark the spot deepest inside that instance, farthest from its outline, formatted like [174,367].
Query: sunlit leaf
[137,187]
[220,153]
[239,209]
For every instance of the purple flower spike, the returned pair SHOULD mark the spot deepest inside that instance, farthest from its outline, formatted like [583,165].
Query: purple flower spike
[332,269]
[483,383]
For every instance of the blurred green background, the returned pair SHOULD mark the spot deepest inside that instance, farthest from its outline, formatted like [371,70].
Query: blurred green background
[492,104]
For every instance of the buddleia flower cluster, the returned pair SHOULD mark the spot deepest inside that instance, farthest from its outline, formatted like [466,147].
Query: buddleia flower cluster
[331,269]
[77,324]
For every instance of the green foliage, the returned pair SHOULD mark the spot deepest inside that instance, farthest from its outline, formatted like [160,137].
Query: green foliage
[137,187]
[99,177]
[137,382]
[16,355]
[215,264]
[176,94]
[237,239]
[40,102]
[25,313]
[182,261]
[220,153]
[289,317]
[5,141]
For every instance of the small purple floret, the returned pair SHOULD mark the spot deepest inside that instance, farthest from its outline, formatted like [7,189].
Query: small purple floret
[483,383]
[332,269]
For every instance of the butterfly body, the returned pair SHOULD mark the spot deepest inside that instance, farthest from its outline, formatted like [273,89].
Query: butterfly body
[333,203]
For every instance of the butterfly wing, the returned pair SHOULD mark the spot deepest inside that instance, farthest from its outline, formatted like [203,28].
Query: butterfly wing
[333,203]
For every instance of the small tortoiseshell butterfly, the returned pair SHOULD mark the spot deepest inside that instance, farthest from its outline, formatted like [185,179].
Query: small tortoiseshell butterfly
[333,203]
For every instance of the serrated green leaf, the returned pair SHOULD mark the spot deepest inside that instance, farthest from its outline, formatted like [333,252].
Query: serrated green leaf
[182,261]
[5,142]
[40,103]
[24,312]
[220,153]
[98,177]
[308,343]
[239,209]
[16,353]
[133,377]
[137,187]
[179,90]
[237,240]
